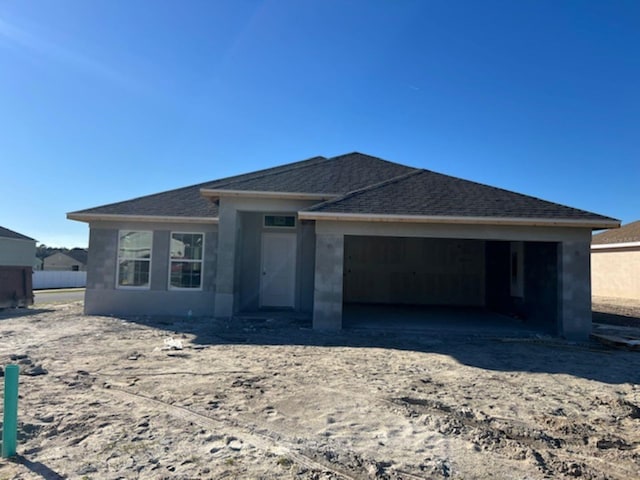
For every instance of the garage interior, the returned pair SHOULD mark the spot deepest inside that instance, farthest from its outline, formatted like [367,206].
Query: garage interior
[448,283]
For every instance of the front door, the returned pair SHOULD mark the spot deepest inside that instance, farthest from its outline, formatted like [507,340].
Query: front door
[278,279]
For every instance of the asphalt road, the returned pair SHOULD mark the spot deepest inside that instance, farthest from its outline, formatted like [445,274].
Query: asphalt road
[67,295]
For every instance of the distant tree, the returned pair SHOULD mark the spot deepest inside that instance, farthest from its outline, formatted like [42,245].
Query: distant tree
[43,251]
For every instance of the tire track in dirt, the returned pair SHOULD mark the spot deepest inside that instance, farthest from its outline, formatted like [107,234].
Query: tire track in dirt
[500,434]
[265,440]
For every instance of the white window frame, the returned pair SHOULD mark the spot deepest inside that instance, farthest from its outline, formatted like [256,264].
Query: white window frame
[279,227]
[150,259]
[201,261]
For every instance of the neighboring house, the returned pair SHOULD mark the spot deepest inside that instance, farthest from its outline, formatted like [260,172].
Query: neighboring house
[73,260]
[17,253]
[320,234]
[37,264]
[615,262]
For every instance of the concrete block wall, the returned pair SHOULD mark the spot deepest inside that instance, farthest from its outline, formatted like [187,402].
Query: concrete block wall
[102,295]
[327,299]
[574,292]
[102,259]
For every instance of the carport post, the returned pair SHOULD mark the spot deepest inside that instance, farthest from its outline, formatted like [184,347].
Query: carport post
[10,419]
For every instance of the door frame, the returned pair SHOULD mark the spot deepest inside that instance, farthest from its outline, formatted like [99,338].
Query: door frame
[292,236]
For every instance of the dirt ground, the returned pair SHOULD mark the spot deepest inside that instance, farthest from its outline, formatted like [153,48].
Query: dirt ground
[114,398]
[616,311]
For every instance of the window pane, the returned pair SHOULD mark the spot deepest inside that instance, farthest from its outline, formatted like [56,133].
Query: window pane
[186,274]
[279,221]
[135,244]
[186,246]
[133,273]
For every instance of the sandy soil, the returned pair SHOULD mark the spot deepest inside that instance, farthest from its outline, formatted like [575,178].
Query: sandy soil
[616,311]
[173,398]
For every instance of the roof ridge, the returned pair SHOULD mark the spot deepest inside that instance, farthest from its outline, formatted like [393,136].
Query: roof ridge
[298,165]
[309,162]
[373,186]
[370,156]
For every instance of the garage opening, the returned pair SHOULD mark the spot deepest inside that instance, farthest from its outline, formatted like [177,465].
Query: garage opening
[406,282]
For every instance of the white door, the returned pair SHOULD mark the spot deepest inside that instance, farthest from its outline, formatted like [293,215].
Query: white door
[278,279]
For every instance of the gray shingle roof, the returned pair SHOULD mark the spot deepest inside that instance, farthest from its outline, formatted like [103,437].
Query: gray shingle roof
[6,233]
[78,254]
[182,202]
[626,234]
[427,193]
[186,201]
[367,185]
[336,176]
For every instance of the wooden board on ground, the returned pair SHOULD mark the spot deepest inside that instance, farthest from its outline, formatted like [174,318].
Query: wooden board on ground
[618,341]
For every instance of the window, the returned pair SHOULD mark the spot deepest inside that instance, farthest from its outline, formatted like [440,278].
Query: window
[186,260]
[134,258]
[282,221]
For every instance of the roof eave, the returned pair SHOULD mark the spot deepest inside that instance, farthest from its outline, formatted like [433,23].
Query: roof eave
[532,222]
[217,193]
[112,217]
[23,239]
[614,245]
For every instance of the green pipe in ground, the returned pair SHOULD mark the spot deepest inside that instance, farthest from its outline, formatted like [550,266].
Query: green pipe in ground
[10,420]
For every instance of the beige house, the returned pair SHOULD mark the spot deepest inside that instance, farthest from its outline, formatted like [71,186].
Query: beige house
[615,262]
[73,260]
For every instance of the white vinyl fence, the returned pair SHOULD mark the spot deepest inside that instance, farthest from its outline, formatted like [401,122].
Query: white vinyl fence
[43,279]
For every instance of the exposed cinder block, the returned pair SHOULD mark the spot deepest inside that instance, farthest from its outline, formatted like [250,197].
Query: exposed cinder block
[575,290]
[327,302]
[103,297]
[226,266]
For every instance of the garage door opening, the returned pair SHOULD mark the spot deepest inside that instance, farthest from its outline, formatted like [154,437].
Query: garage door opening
[405,282]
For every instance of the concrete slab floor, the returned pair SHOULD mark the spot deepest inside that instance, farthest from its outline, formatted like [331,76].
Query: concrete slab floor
[451,320]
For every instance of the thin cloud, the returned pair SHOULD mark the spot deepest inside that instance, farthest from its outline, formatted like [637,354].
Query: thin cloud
[22,38]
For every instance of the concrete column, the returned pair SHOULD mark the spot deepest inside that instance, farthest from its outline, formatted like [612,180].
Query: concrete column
[327,294]
[574,296]
[225,268]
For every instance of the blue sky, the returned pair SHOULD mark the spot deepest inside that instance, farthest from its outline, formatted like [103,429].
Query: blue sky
[102,101]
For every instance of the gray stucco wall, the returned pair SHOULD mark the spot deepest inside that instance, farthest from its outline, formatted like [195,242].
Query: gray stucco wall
[250,261]
[234,291]
[103,297]
[454,230]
